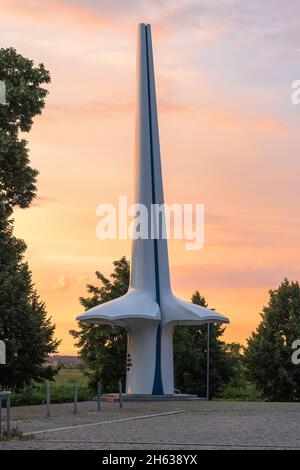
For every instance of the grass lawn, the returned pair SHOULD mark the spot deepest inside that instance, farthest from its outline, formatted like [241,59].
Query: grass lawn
[70,376]
[62,390]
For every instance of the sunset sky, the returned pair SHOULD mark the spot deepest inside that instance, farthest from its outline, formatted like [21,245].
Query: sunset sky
[229,135]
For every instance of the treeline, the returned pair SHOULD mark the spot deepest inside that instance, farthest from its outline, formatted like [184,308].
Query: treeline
[24,326]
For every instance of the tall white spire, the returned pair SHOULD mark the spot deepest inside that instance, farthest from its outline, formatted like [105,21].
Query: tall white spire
[152,253]
[149,310]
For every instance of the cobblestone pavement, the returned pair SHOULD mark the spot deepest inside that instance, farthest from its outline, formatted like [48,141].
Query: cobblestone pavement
[188,425]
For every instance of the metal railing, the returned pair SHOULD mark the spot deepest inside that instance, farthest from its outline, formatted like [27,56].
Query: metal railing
[75,409]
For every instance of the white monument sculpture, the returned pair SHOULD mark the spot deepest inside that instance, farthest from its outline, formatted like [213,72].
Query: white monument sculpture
[149,311]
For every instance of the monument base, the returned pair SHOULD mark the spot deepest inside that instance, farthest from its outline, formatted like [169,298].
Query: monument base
[114,397]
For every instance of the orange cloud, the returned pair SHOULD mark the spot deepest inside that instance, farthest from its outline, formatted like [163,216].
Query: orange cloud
[219,118]
[63,14]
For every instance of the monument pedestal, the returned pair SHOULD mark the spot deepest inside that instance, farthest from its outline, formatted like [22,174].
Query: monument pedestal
[114,397]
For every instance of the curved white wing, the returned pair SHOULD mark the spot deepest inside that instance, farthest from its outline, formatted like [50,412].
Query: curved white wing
[181,312]
[133,305]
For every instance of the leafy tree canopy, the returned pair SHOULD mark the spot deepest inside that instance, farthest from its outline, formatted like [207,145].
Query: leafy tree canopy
[24,326]
[190,349]
[269,351]
[25,98]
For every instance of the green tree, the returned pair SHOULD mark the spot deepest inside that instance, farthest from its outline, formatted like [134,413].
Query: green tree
[103,347]
[239,387]
[269,349]
[25,99]
[24,325]
[190,349]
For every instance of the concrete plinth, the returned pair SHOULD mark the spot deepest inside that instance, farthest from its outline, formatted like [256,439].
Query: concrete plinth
[112,397]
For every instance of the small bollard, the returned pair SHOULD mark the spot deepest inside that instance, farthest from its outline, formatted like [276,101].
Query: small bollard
[0,416]
[8,416]
[5,396]
[48,400]
[75,397]
[99,395]
[120,395]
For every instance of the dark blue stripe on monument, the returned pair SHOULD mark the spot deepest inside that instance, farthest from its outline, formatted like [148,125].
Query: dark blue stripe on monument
[157,383]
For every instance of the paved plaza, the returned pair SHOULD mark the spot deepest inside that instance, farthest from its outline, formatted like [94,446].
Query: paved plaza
[159,425]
